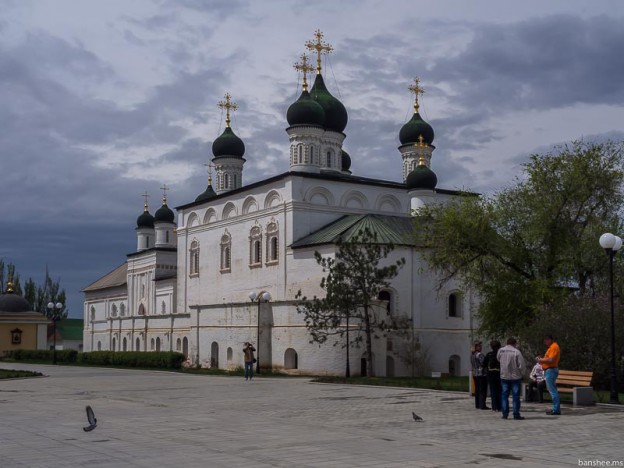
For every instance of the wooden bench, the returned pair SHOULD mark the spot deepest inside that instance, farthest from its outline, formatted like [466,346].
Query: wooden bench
[579,384]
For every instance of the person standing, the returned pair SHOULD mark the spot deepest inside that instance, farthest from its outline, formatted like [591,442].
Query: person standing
[248,350]
[550,363]
[480,379]
[492,368]
[511,370]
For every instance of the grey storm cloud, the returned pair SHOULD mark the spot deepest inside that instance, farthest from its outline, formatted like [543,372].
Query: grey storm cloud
[539,63]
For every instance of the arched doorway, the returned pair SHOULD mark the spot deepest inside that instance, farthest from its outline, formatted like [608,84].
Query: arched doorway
[137,345]
[99,348]
[214,354]
[291,359]
[454,365]
[230,356]
[158,343]
[125,344]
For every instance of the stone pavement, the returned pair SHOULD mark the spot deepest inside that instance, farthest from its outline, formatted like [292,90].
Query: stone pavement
[161,419]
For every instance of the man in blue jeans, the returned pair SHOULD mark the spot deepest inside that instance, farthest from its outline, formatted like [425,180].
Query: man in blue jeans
[550,363]
[511,370]
[248,350]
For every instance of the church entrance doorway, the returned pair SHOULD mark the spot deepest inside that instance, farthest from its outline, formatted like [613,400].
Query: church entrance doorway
[214,354]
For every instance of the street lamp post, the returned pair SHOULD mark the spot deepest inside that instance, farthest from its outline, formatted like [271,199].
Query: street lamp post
[612,244]
[55,313]
[262,297]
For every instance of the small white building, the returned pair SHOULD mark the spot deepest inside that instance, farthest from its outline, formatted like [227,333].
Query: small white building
[187,286]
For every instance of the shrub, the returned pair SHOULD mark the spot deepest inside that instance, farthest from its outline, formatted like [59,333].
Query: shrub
[43,355]
[151,360]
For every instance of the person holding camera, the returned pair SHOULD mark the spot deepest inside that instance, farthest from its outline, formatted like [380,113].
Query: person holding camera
[248,350]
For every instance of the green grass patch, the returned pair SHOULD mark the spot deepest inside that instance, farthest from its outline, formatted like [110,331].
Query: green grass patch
[17,374]
[455,384]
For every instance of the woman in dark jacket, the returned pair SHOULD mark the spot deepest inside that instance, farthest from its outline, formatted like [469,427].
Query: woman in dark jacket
[492,368]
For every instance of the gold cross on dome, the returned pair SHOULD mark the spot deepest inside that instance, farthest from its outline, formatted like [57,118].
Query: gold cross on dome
[145,197]
[209,166]
[417,90]
[228,105]
[164,188]
[304,67]
[320,47]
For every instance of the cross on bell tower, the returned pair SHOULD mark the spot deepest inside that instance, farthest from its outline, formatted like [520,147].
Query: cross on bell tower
[210,167]
[320,47]
[228,105]
[304,67]
[418,91]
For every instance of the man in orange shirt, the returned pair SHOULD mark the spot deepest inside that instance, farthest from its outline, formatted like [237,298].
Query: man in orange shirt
[550,364]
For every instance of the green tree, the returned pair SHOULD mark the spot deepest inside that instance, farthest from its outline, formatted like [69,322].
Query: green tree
[352,285]
[527,247]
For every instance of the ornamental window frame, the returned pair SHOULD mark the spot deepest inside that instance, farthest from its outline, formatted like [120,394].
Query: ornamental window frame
[272,244]
[255,247]
[225,264]
[194,259]
[16,336]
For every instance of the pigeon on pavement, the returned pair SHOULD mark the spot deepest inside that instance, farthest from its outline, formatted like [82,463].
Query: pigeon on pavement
[416,417]
[92,420]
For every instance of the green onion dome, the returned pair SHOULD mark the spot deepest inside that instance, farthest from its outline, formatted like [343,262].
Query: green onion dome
[421,178]
[346,161]
[228,144]
[207,195]
[305,111]
[145,220]
[411,131]
[164,214]
[336,117]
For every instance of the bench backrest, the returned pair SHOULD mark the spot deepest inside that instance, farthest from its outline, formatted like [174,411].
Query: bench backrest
[575,378]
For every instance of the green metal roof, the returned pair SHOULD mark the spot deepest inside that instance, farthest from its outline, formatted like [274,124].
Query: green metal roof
[70,329]
[397,230]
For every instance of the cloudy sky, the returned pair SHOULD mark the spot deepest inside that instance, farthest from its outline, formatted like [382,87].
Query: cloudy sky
[100,101]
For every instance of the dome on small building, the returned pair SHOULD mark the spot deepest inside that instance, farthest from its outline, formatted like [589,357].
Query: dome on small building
[11,303]
[145,220]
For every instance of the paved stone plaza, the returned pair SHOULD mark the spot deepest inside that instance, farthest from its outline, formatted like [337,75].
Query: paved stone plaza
[152,419]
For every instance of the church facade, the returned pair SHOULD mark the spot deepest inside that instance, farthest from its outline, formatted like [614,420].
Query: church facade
[227,268]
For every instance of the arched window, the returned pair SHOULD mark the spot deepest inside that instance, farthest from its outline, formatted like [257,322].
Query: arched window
[214,354]
[137,345]
[147,242]
[454,305]
[272,248]
[226,177]
[141,309]
[178,344]
[114,345]
[114,311]
[230,355]
[99,346]
[158,343]
[152,344]
[125,344]
[386,296]
[226,253]
[299,158]
[92,313]
[389,366]
[234,185]
[122,309]
[185,346]
[163,307]
[255,247]
[329,156]
[291,360]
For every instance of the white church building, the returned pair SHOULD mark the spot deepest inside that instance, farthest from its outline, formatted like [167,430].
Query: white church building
[189,286]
